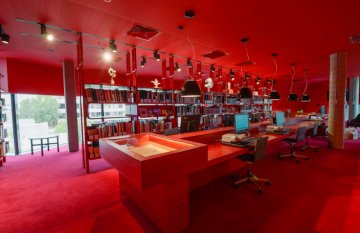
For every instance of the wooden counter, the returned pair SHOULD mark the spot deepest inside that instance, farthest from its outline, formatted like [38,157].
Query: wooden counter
[160,184]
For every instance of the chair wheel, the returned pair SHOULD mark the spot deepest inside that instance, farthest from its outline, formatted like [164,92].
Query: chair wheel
[316,150]
[279,157]
[235,186]
[260,191]
[297,161]
[306,159]
[268,183]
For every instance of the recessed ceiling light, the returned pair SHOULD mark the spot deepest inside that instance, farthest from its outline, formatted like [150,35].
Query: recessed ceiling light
[107,1]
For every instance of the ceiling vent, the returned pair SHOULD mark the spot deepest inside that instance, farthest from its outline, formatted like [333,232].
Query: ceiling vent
[215,54]
[143,32]
[355,39]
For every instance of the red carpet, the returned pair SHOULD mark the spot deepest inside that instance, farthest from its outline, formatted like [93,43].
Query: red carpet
[53,194]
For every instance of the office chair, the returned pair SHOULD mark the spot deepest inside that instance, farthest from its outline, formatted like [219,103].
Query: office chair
[314,134]
[250,158]
[300,137]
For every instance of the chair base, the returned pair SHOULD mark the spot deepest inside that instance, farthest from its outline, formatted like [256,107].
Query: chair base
[254,180]
[294,156]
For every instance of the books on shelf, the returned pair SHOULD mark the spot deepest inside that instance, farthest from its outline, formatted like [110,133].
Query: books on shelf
[188,110]
[108,96]
[97,131]
[155,96]
[211,121]
[148,126]
[155,111]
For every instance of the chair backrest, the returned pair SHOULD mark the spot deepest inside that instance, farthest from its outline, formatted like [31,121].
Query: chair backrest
[315,129]
[260,148]
[172,131]
[300,136]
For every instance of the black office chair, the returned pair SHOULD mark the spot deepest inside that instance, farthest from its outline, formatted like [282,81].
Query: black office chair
[314,134]
[300,137]
[250,158]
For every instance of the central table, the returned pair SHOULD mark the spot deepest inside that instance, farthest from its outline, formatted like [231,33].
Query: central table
[160,184]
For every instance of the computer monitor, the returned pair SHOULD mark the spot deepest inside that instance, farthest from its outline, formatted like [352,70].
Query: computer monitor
[190,123]
[280,118]
[241,123]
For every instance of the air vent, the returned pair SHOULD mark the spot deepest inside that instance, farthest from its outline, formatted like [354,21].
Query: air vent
[246,63]
[355,39]
[143,32]
[215,54]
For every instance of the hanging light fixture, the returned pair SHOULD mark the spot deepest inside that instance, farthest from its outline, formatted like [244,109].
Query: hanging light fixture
[274,95]
[305,97]
[248,62]
[245,92]
[190,88]
[5,38]
[212,68]
[292,96]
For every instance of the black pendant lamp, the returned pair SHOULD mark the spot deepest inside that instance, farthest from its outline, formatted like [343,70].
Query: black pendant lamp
[245,92]
[274,95]
[190,89]
[292,96]
[305,97]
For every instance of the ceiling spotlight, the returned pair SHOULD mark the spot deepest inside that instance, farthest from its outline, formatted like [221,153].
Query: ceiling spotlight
[188,62]
[177,67]
[113,46]
[45,34]
[212,68]
[107,56]
[143,62]
[189,14]
[5,38]
[156,55]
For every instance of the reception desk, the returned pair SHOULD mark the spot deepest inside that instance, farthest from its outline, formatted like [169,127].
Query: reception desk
[157,172]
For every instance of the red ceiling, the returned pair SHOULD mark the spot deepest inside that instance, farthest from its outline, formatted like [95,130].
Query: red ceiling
[305,32]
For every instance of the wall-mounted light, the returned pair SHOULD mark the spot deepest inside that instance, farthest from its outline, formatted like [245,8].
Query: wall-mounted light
[5,38]
[177,67]
[143,62]
[45,34]
[156,55]
[232,75]
[112,46]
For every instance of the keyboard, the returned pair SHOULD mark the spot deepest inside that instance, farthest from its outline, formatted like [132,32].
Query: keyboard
[243,143]
[281,131]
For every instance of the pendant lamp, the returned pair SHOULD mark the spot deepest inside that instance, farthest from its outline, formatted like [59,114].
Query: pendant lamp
[245,92]
[292,96]
[305,97]
[190,88]
[274,95]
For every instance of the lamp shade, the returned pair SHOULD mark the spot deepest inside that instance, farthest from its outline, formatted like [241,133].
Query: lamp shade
[245,93]
[274,95]
[305,98]
[293,97]
[190,89]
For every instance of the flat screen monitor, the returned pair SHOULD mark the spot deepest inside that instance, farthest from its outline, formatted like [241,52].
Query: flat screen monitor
[322,110]
[280,118]
[241,122]
[190,123]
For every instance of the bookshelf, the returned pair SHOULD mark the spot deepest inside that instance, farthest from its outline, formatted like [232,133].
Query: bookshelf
[108,111]
[258,107]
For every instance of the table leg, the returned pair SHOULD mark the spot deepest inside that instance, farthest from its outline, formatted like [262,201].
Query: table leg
[32,149]
[41,144]
[48,145]
[57,142]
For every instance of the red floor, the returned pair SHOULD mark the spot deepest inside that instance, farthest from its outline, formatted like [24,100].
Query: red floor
[53,194]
